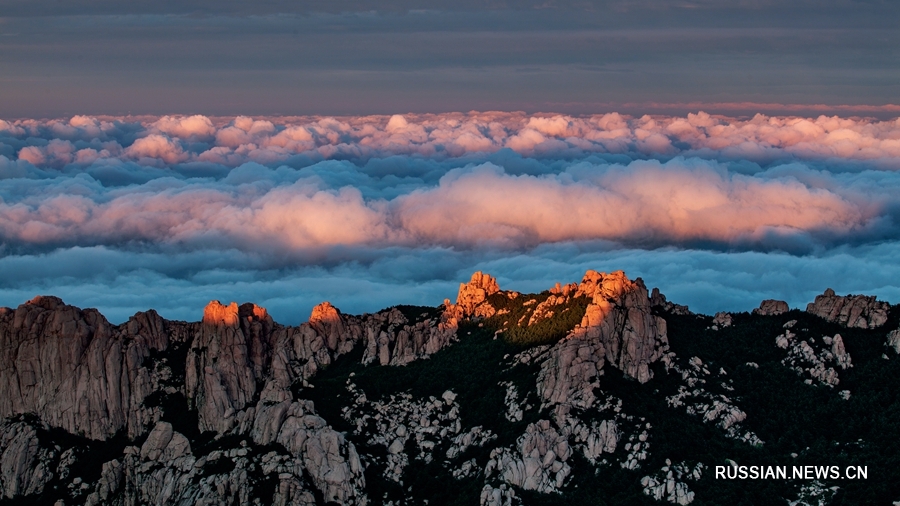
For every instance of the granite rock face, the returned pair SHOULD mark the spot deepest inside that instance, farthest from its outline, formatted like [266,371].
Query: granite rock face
[77,371]
[893,340]
[405,341]
[227,358]
[539,462]
[165,469]
[855,311]
[25,467]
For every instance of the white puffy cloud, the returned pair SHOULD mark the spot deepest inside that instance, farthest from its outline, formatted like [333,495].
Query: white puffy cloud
[196,126]
[156,147]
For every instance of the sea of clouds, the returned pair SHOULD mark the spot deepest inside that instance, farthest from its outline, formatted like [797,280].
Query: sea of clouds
[129,213]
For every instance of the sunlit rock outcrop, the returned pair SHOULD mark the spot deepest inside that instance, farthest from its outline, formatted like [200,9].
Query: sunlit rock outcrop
[471,296]
[226,360]
[618,327]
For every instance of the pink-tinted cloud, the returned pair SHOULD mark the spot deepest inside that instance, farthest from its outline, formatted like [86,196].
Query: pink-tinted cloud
[156,147]
[236,141]
[645,201]
[675,203]
[185,127]
[448,180]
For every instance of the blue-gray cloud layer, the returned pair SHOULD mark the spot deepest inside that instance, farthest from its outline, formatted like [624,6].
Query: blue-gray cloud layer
[367,212]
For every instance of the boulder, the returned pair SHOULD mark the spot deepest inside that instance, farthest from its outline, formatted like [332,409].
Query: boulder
[722,320]
[772,307]
[893,340]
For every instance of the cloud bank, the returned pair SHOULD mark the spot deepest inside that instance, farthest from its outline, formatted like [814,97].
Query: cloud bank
[377,210]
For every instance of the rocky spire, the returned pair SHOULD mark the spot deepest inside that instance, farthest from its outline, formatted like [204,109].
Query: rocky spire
[475,292]
[617,327]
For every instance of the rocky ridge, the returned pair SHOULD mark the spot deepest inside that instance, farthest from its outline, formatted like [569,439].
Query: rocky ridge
[79,373]
[854,311]
[219,411]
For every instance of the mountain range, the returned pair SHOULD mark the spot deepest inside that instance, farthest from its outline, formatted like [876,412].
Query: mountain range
[596,392]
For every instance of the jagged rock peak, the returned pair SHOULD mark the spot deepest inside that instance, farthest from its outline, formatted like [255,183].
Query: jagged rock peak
[860,311]
[325,313]
[607,285]
[772,307]
[484,281]
[618,327]
[253,312]
[564,290]
[326,320]
[476,290]
[47,302]
[657,299]
[216,313]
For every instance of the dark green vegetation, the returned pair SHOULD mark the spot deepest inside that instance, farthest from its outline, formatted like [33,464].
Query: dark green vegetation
[809,420]
[514,323]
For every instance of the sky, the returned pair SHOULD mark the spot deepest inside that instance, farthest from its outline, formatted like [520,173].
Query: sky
[234,57]
[164,154]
